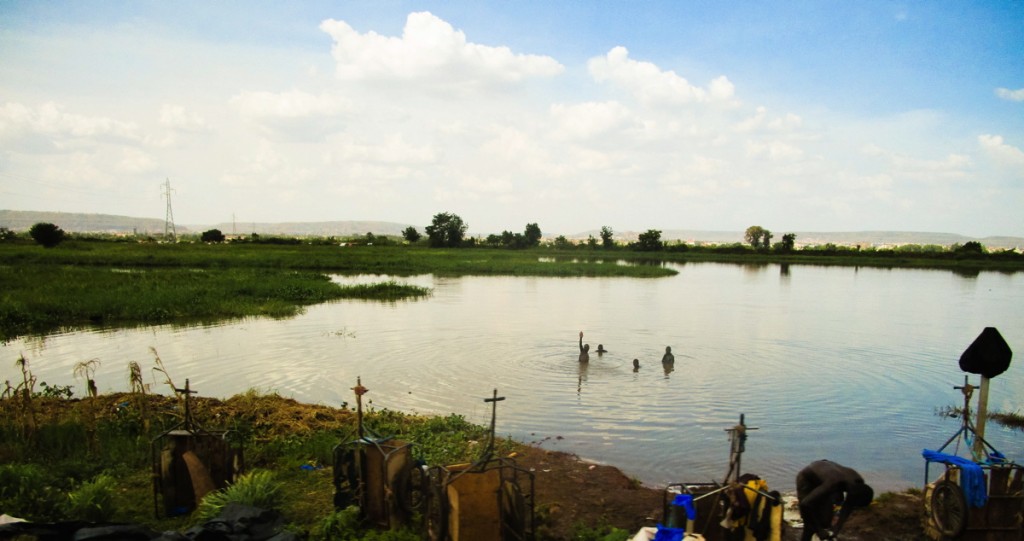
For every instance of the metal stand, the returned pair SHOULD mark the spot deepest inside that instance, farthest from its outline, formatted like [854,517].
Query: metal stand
[710,511]
[189,462]
[949,516]
[482,500]
[376,474]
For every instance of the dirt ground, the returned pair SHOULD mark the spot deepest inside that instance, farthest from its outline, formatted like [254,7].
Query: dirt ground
[570,491]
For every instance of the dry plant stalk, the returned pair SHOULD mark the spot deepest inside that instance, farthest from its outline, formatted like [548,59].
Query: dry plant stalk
[160,368]
[138,389]
[28,414]
[86,370]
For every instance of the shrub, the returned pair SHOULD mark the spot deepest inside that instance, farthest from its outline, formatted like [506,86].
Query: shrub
[93,501]
[26,492]
[46,234]
[257,488]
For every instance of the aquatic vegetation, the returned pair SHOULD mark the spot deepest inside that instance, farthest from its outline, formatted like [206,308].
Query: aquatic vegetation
[44,298]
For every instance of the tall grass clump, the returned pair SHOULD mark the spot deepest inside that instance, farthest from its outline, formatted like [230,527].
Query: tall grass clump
[388,291]
[257,488]
[93,500]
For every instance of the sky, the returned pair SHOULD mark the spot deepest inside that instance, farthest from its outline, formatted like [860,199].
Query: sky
[702,115]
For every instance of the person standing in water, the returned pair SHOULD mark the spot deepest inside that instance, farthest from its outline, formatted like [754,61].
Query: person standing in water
[668,358]
[584,350]
[600,349]
[636,365]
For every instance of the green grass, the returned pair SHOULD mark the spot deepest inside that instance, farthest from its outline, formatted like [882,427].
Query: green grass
[391,260]
[39,298]
[75,480]
[257,488]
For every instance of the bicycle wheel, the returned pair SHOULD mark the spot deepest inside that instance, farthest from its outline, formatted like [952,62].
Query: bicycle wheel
[949,508]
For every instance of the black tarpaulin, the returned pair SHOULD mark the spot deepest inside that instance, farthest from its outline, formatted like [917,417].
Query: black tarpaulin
[989,355]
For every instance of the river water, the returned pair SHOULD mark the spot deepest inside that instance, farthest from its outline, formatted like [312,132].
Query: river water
[844,363]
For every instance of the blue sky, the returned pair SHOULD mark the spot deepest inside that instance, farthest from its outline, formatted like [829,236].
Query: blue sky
[796,116]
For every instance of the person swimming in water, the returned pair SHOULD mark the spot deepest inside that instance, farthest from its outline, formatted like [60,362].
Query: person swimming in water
[600,349]
[668,358]
[584,350]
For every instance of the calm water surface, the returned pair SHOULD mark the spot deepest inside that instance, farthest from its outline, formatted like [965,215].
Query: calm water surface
[840,363]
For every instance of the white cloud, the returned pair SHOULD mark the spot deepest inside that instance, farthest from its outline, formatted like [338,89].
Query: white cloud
[135,162]
[953,166]
[1011,95]
[773,150]
[590,119]
[391,150]
[49,119]
[288,105]
[178,118]
[1004,154]
[652,86]
[429,49]
[761,121]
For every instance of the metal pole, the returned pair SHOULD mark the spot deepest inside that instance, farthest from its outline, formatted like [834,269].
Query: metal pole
[360,391]
[494,413]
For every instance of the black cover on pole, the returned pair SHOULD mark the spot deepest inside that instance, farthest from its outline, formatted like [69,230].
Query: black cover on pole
[989,355]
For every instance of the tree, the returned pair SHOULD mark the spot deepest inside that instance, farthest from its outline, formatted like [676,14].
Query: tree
[788,242]
[46,234]
[213,235]
[591,242]
[606,237]
[532,235]
[411,234]
[649,241]
[7,234]
[562,242]
[446,231]
[758,237]
[971,247]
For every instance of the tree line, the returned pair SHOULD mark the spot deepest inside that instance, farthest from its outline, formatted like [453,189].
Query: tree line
[448,230]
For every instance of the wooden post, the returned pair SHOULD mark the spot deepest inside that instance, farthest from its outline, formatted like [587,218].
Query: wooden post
[979,426]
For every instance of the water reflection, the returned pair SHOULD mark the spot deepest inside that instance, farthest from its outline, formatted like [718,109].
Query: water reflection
[582,371]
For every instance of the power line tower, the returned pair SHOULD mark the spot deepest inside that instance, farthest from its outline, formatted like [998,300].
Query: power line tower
[169,231]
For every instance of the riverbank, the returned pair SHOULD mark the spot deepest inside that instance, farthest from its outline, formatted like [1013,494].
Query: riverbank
[61,444]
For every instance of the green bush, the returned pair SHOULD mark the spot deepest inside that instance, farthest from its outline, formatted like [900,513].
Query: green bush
[92,501]
[257,488]
[26,492]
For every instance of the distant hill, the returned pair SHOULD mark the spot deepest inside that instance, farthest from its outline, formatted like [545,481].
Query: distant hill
[104,223]
[74,222]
